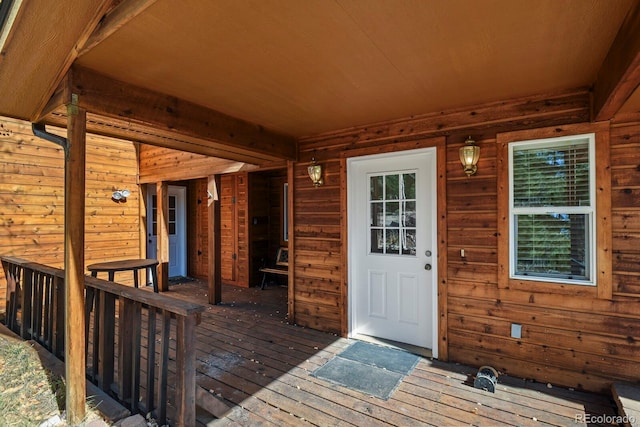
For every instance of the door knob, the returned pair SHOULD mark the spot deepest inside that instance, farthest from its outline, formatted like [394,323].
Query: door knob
[427,266]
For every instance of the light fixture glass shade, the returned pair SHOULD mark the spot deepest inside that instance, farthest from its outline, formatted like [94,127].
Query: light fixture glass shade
[469,156]
[315,173]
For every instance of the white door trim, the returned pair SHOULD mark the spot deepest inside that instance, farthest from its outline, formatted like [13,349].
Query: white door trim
[179,192]
[351,235]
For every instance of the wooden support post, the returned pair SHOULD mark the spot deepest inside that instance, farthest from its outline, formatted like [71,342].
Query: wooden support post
[292,240]
[74,202]
[186,370]
[215,273]
[162,194]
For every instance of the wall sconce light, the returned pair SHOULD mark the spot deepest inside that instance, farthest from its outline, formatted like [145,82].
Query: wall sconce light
[469,156]
[315,172]
[120,195]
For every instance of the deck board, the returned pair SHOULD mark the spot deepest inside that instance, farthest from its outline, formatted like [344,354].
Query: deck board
[259,365]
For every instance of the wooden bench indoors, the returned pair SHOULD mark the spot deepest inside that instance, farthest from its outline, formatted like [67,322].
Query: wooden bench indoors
[282,260]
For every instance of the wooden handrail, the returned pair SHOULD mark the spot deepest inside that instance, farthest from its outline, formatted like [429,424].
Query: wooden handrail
[123,325]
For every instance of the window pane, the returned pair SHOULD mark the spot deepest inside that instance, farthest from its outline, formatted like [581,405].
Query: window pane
[377,240]
[392,214]
[409,214]
[377,214]
[392,246]
[409,185]
[391,187]
[376,187]
[553,245]
[408,242]
[551,176]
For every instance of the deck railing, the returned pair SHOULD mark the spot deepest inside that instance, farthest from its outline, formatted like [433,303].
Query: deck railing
[128,336]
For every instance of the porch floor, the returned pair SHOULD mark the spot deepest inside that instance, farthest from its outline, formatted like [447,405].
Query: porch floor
[254,368]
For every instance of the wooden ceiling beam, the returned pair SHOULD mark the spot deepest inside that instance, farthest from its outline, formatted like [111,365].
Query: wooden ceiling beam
[619,75]
[114,20]
[100,125]
[173,118]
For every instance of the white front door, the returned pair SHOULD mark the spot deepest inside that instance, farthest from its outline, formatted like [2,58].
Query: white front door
[177,228]
[392,246]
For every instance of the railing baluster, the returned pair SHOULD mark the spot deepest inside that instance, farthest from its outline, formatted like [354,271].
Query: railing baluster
[97,331]
[125,351]
[165,333]
[58,321]
[136,311]
[106,360]
[151,358]
[26,304]
[37,313]
[48,312]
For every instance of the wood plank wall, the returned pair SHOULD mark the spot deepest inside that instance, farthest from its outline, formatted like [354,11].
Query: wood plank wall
[576,342]
[32,199]
[198,229]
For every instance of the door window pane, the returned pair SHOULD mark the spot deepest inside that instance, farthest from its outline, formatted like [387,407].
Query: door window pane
[377,213]
[376,187]
[392,214]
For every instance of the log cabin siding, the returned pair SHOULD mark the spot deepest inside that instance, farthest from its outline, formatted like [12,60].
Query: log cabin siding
[32,199]
[576,340]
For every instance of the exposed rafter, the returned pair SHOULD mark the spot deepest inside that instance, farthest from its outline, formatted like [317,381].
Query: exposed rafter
[619,75]
[114,20]
[146,116]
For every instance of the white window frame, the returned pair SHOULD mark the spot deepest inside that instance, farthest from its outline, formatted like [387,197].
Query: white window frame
[590,211]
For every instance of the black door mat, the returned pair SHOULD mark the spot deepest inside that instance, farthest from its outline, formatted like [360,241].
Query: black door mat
[369,368]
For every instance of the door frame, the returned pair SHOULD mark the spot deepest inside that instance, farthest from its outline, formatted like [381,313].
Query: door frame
[440,348]
[180,192]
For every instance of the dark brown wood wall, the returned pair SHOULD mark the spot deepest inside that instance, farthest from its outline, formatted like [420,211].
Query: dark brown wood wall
[32,199]
[581,342]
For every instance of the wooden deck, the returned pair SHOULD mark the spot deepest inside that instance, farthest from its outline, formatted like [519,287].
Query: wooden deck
[254,369]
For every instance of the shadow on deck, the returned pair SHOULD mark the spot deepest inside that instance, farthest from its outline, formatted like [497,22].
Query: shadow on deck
[254,368]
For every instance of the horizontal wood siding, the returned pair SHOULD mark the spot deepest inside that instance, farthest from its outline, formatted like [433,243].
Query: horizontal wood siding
[572,339]
[197,224]
[625,194]
[32,198]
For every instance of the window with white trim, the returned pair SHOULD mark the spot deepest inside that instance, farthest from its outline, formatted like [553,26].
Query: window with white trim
[552,209]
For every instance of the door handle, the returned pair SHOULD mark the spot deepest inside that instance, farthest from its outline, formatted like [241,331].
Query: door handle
[427,266]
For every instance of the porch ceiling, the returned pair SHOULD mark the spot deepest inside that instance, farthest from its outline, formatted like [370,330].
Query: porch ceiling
[300,68]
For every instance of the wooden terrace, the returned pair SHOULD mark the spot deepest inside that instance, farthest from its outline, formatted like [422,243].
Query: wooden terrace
[242,363]
[257,370]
